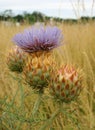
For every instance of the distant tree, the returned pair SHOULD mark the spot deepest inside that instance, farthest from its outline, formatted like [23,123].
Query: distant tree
[1,16]
[26,16]
[93,18]
[18,18]
[85,19]
[8,14]
[34,17]
[38,16]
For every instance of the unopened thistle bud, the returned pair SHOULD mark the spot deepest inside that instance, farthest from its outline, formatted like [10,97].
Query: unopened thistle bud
[67,84]
[38,70]
[16,59]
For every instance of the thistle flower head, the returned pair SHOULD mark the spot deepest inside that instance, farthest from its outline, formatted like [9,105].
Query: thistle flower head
[67,84]
[37,72]
[16,59]
[38,39]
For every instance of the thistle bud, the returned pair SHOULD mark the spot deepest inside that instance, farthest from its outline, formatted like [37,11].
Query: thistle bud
[38,70]
[67,84]
[16,59]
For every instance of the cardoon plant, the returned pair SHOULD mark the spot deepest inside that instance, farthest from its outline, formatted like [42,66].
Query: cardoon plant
[38,43]
[39,69]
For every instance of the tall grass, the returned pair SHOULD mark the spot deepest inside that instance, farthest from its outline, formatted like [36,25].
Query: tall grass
[16,102]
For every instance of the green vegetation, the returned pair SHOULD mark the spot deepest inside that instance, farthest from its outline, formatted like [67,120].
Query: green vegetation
[31,18]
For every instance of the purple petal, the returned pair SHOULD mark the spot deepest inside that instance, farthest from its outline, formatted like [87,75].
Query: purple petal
[38,39]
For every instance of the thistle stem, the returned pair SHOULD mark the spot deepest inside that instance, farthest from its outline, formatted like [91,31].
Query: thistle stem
[49,122]
[37,104]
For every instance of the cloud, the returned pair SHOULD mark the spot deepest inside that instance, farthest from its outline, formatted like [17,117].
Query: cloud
[48,5]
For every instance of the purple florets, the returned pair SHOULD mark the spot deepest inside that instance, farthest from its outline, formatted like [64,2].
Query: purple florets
[38,39]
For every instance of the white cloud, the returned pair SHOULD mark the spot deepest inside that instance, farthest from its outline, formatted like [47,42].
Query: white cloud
[50,7]
[45,5]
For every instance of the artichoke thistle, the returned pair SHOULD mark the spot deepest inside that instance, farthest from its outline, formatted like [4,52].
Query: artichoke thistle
[37,72]
[16,59]
[67,84]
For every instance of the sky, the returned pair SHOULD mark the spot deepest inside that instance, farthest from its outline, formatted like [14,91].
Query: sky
[55,8]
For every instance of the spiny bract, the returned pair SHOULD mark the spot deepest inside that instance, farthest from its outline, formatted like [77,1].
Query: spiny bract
[67,84]
[16,59]
[37,72]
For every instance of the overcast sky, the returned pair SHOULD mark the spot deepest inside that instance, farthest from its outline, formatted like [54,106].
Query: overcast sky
[58,8]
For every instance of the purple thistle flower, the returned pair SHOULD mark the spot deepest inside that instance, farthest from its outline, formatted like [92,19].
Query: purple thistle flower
[38,39]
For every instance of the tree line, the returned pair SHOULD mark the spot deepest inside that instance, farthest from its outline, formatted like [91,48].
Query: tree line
[36,16]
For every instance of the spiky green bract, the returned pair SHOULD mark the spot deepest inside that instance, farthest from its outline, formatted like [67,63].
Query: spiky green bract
[67,84]
[38,70]
[16,59]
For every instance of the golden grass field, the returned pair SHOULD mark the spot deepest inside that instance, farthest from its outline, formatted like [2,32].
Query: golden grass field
[78,49]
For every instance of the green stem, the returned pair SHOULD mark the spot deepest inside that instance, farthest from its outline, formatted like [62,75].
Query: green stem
[37,104]
[49,122]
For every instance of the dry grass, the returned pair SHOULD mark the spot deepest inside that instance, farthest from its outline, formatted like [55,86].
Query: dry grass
[78,49]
